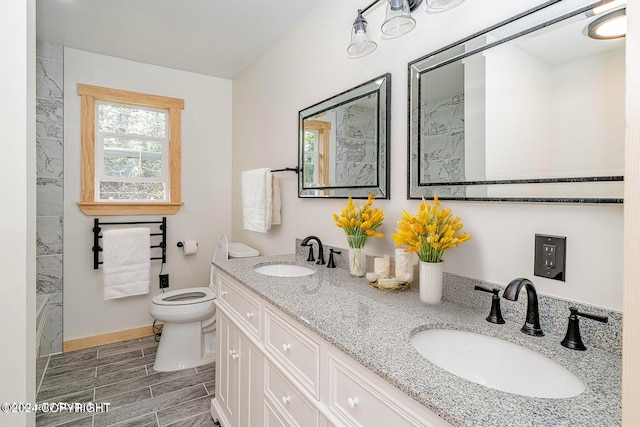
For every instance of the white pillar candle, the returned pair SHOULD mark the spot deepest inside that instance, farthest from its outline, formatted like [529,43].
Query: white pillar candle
[404,266]
[381,267]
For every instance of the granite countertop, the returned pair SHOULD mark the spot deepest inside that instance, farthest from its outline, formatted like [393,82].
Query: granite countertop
[374,327]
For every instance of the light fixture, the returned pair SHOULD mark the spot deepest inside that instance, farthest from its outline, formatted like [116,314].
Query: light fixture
[613,25]
[437,6]
[607,6]
[398,21]
[361,42]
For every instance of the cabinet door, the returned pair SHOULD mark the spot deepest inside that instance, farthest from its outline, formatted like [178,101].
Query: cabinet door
[227,371]
[250,383]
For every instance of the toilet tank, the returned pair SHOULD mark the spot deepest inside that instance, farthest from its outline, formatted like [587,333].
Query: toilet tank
[234,250]
[240,250]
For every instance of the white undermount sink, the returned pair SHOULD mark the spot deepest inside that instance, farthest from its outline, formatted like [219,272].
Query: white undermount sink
[496,363]
[284,270]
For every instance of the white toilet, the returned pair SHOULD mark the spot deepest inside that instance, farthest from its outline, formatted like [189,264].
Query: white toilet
[188,317]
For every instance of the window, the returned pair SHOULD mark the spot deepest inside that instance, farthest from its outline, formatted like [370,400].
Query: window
[130,152]
[310,156]
[132,147]
[316,151]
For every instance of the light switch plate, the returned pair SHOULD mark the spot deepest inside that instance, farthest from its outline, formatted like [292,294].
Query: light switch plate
[550,257]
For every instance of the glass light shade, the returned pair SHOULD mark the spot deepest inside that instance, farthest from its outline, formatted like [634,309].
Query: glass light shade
[613,25]
[361,43]
[398,20]
[436,6]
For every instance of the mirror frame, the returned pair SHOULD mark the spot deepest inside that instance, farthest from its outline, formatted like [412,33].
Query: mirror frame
[381,87]
[417,67]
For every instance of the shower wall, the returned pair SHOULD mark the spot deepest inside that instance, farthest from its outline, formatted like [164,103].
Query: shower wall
[49,179]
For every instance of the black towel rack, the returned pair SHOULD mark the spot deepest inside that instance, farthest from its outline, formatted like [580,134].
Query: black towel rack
[296,170]
[96,238]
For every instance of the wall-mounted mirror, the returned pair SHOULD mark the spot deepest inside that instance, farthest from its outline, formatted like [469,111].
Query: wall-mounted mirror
[531,109]
[343,145]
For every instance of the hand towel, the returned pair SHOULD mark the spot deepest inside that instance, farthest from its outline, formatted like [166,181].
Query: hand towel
[257,199]
[276,202]
[126,255]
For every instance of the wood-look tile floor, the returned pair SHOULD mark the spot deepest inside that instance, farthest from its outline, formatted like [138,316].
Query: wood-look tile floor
[122,375]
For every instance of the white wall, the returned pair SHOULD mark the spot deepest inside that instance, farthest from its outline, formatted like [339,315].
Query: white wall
[580,122]
[206,172]
[17,225]
[562,129]
[518,134]
[310,64]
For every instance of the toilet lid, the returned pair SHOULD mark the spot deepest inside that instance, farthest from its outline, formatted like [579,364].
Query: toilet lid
[185,296]
[240,250]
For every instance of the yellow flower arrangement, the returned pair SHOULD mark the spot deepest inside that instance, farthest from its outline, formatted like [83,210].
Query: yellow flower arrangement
[359,224]
[430,233]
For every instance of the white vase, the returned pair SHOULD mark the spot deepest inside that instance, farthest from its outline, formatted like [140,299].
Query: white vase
[431,282]
[357,261]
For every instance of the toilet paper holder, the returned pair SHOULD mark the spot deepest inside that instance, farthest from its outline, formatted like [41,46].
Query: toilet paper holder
[189,247]
[181,244]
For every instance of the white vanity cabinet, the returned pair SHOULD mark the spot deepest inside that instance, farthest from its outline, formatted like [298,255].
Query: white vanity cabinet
[239,360]
[273,371]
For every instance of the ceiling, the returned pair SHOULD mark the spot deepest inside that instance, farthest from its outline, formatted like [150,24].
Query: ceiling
[213,37]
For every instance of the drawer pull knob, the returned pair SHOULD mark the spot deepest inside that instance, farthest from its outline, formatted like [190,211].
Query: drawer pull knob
[250,314]
[286,400]
[352,402]
[223,292]
[286,347]
[234,354]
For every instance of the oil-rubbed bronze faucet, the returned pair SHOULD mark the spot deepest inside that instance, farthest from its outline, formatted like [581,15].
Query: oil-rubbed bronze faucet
[572,338]
[495,316]
[331,263]
[532,323]
[305,242]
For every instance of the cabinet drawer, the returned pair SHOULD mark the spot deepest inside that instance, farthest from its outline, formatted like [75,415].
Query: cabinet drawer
[359,403]
[271,417]
[288,400]
[243,308]
[297,352]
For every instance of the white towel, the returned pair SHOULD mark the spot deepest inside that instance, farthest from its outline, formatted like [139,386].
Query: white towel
[126,262]
[276,202]
[257,199]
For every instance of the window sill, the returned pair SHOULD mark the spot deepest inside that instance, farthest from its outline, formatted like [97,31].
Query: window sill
[133,208]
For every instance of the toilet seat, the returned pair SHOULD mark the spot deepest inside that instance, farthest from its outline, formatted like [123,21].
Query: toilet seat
[185,296]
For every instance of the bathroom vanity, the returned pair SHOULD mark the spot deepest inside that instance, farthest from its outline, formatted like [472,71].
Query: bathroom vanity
[329,349]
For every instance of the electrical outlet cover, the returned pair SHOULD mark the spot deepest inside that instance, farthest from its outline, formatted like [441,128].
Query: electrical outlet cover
[550,257]
[164,281]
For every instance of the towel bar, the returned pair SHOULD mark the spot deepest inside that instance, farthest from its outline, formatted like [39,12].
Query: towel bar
[296,170]
[96,238]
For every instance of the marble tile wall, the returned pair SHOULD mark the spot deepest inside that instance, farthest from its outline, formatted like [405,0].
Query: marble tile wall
[49,166]
[357,151]
[442,153]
